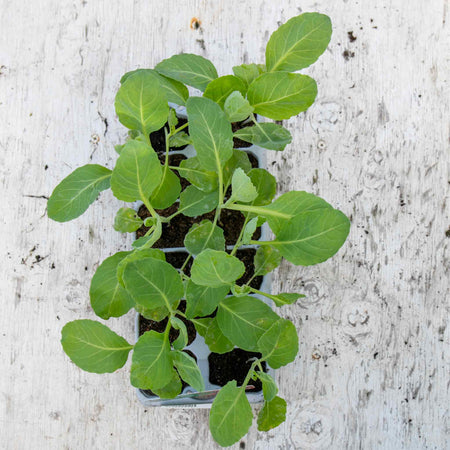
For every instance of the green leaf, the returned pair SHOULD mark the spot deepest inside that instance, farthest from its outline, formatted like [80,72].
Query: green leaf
[118,148]
[202,179]
[240,291]
[210,131]
[180,140]
[298,43]
[204,235]
[188,370]
[194,202]
[248,72]
[127,220]
[265,135]
[238,159]
[172,388]
[265,184]
[140,242]
[141,103]
[153,283]
[108,297]
[156,314]
[168,190]
[281,95]
[137,255]
[220,88]
[215,268]
[93,347]
[181,341]
[77,191]
[151,366]
[266,260]
[203,300]
[231,415]
[283,298]
[236,107]
[214,338]
[243,320]
[279,344]
[270,389]
[249,230]
[193,70]
[312,237]
[137,172]
[242,187]
[172,120]
[272,414]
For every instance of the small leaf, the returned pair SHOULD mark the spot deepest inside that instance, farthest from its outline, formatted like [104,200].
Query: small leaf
[202,179]
[127,220]
[194,202]
[93,347]
[140,242]
[203,300]
[180,140]
[149,222]
[172,388]
[73,196]
[220,88]
[193,70]
[168,190]
[236,107]
[137,255]
[202,236]
[281,95]
[151,366]
[248,72]
[242,187]
[182,339]
[240,291]
[269,386]
[265,184]
[231,415]
[156,314]
[188,370]
[214,338]
[215,268]
[284,298]
[172,120]
[108,297]
[266,260]
[249,230]
[265,135]
[272,414]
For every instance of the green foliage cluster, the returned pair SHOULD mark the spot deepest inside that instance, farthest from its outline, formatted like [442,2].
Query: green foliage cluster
[307,229]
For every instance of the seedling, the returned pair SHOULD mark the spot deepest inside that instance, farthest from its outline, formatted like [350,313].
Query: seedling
[307,229]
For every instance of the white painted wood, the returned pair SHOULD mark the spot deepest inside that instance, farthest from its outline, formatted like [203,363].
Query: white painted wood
[374,366]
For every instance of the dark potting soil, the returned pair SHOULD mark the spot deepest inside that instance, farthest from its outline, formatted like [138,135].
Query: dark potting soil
[158,138]
[233,365]
[247,257]
[239,143]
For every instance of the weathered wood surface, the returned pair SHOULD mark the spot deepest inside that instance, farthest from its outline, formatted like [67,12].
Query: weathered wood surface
[375,361]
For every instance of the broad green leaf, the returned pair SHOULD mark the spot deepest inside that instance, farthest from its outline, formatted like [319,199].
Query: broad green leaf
[153,283]
[202,179]
[214,338]
[77,191]
[243,320]
[181,341]
[194,202]
[270,389]
[281,95]
[248,72]
[265,184]
[151,366]
[266,135]
[272,414]
[298,43]
[249,230]
[93,347]
[188,370]
[242,187]
[236,107]
[168,190]
[238,159]
[137,255]
[156,314]
[108,297]
[137,172]
[282,299]
[215,268]
[279,344]
[266,260]
[180,140]
[141,103]
[220,88]
[203,300]
[204,235]
[172,388]
[127,220]
[193,70]
[231,415]
[210,131]
[312,237]
[118,148]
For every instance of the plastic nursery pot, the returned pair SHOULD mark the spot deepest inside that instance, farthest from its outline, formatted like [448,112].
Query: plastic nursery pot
[216,369]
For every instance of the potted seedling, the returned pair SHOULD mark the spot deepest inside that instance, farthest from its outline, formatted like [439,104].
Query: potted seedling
[197,193]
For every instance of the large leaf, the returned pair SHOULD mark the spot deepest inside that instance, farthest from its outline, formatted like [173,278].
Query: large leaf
[151,366]
[236,107]
[272,414]
[193,70]
[202,179]
[298,43]
[214,338]
[108,297]
[281,95]
[220,88]
[202,236]
[231,415]
[210,132]
[312,237]
[188,370]
[93,347]
[127,220]
[194,202]
[141,103]
[248,72]
[153,283]
[243,320]
[265,184]
[266,135]
[137,172]
[243,189]
[216,268]
[77,191]
[168,190]
[203,300]
[266,260]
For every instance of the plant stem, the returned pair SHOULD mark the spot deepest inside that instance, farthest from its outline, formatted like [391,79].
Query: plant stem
[239,239]
[259,210]
[250,373]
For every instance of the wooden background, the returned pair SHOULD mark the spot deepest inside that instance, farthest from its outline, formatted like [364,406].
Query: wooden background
[374,364]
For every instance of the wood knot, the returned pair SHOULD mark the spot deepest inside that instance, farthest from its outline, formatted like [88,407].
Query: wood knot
[195,23]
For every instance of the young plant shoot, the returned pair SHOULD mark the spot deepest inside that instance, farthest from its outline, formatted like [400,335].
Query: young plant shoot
[307,230]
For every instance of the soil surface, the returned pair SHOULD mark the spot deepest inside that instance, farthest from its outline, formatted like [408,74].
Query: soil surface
[239,143]
[158,138]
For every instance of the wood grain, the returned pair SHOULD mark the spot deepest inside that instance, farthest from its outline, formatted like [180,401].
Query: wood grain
[374,364]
